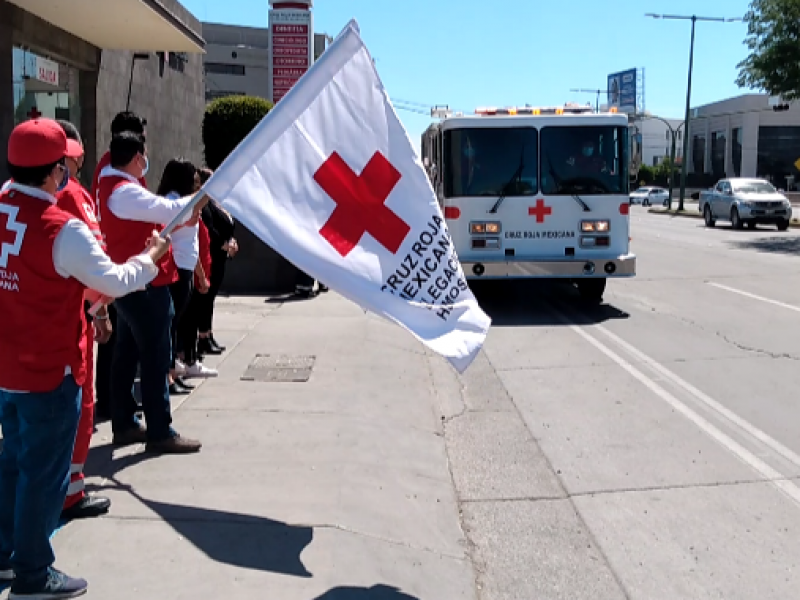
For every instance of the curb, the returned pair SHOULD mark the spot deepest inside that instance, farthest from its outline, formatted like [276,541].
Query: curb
[692,214]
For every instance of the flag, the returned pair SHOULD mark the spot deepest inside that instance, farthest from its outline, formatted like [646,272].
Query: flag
[330,179]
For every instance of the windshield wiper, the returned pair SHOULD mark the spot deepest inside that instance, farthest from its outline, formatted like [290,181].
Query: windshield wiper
[581,203]
[558,180]
[517,175]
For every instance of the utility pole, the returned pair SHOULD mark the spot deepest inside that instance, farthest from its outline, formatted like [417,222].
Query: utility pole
[693,19]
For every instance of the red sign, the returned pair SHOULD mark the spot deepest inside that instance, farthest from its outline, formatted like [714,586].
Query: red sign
[290,40]
[298,73]
[290,61]
[540,211]
[360,204]
[289,51]
[289,29]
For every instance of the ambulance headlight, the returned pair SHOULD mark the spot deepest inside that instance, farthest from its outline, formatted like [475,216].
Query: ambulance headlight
[482,228]
[595,226]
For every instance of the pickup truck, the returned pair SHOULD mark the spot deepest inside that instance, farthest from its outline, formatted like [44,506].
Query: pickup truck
[744,201]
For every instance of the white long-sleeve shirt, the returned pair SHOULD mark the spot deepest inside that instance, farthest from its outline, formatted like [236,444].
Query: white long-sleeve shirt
[185,243]
[135,203]
[76,253]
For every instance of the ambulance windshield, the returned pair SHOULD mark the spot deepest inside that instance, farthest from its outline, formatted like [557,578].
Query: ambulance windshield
[496,162]
[587,160]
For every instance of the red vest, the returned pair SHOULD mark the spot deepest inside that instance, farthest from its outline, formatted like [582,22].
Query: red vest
[105,161]
[124,238]
[76,201]
[43,323]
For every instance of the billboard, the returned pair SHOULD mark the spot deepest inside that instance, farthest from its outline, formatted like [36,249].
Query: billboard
[292,48]
[622,90]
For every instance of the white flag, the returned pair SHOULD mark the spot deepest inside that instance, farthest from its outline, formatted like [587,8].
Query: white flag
[330,179]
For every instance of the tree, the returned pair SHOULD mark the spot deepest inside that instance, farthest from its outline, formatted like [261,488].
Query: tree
[773,37]
[227,122]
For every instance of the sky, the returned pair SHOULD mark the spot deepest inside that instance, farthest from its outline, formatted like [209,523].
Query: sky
[465,54]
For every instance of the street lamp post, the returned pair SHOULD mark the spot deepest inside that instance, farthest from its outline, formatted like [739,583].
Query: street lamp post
[694,19]
[673,136]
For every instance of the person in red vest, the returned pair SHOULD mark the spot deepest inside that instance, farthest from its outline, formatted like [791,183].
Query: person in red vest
[48,259]
[128,213]
[124,121]
[76,200]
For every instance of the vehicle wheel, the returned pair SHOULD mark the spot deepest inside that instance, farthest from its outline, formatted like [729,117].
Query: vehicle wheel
[709,218]
[591,290]
[736,220]
[783,225]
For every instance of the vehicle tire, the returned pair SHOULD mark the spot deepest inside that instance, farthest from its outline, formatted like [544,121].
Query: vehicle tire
[736,220]
[709,218]
[783,225]
[591,289]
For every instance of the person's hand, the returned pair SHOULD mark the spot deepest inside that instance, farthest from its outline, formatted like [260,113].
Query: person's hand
[157,246]
[203,285]
[231,247]
[102,330]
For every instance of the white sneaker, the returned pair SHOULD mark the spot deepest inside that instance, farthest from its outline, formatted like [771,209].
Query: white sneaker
[199,371]
[180,368]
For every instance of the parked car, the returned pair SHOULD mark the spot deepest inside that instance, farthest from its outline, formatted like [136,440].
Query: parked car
[744,201]
[647,196]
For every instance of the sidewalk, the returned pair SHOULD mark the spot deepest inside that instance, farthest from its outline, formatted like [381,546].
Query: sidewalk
[333,489]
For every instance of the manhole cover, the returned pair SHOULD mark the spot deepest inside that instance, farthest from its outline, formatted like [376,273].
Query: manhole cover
[279,368]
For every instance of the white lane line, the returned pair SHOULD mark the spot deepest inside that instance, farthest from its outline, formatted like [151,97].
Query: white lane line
[754,296]
[777,479]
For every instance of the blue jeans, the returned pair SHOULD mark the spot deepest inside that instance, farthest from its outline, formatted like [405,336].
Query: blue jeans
[38,437]
[144,324]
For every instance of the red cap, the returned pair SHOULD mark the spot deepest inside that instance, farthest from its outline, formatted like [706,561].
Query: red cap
[36,143]
[74,149]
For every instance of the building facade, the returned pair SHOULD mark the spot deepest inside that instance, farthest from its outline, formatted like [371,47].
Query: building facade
[656,139]
[237,60]
[83,66]
[746,137]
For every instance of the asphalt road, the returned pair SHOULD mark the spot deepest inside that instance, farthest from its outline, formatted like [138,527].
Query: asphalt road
[648,448]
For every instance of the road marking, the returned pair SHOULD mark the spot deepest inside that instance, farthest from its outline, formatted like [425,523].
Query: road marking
[777,479]
[754,296]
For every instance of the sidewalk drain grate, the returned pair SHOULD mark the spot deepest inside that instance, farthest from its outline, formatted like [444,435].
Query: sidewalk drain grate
[269,368]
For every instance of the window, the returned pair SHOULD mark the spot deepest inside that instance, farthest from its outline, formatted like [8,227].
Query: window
[755,187]
[584,160]
[718,153]
[484,161]
[699,154]
[736,151]
[224,69]
[215,94]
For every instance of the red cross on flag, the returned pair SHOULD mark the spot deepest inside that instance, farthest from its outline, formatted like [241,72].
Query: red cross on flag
[331,180]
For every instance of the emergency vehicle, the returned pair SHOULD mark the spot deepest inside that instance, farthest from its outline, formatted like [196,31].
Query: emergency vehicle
[535,192]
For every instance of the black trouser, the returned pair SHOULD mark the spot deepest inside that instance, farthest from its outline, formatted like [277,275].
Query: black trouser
[102,375]
[304,282]
[188,327]
[205,317]
[180,291]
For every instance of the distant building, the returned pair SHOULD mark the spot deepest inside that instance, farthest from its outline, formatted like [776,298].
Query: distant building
[745,137]
[656,139]
[237,60]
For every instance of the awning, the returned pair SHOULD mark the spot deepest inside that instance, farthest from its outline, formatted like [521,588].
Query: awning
[143,25]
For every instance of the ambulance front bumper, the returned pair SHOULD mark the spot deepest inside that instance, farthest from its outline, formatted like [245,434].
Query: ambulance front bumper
[569,268]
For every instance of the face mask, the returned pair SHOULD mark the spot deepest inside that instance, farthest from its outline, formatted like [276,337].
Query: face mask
[64,181]
[146,166]
[588,151]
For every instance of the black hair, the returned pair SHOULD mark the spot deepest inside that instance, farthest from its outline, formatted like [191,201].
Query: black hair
[178,177]
[127,121]
[32,176]
[70,130]
[124,147]
[205,174]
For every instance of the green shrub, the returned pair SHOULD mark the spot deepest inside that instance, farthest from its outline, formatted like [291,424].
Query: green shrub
[227,122]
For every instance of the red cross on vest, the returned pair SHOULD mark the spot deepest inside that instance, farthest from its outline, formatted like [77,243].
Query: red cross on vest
[540,211]
[360,204]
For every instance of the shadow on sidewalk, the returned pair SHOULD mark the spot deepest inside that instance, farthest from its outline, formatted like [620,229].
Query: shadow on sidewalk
[376,592]
[246,541]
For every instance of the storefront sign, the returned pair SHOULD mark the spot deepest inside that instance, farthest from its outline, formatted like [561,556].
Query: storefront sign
[292,43]
[47,71]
